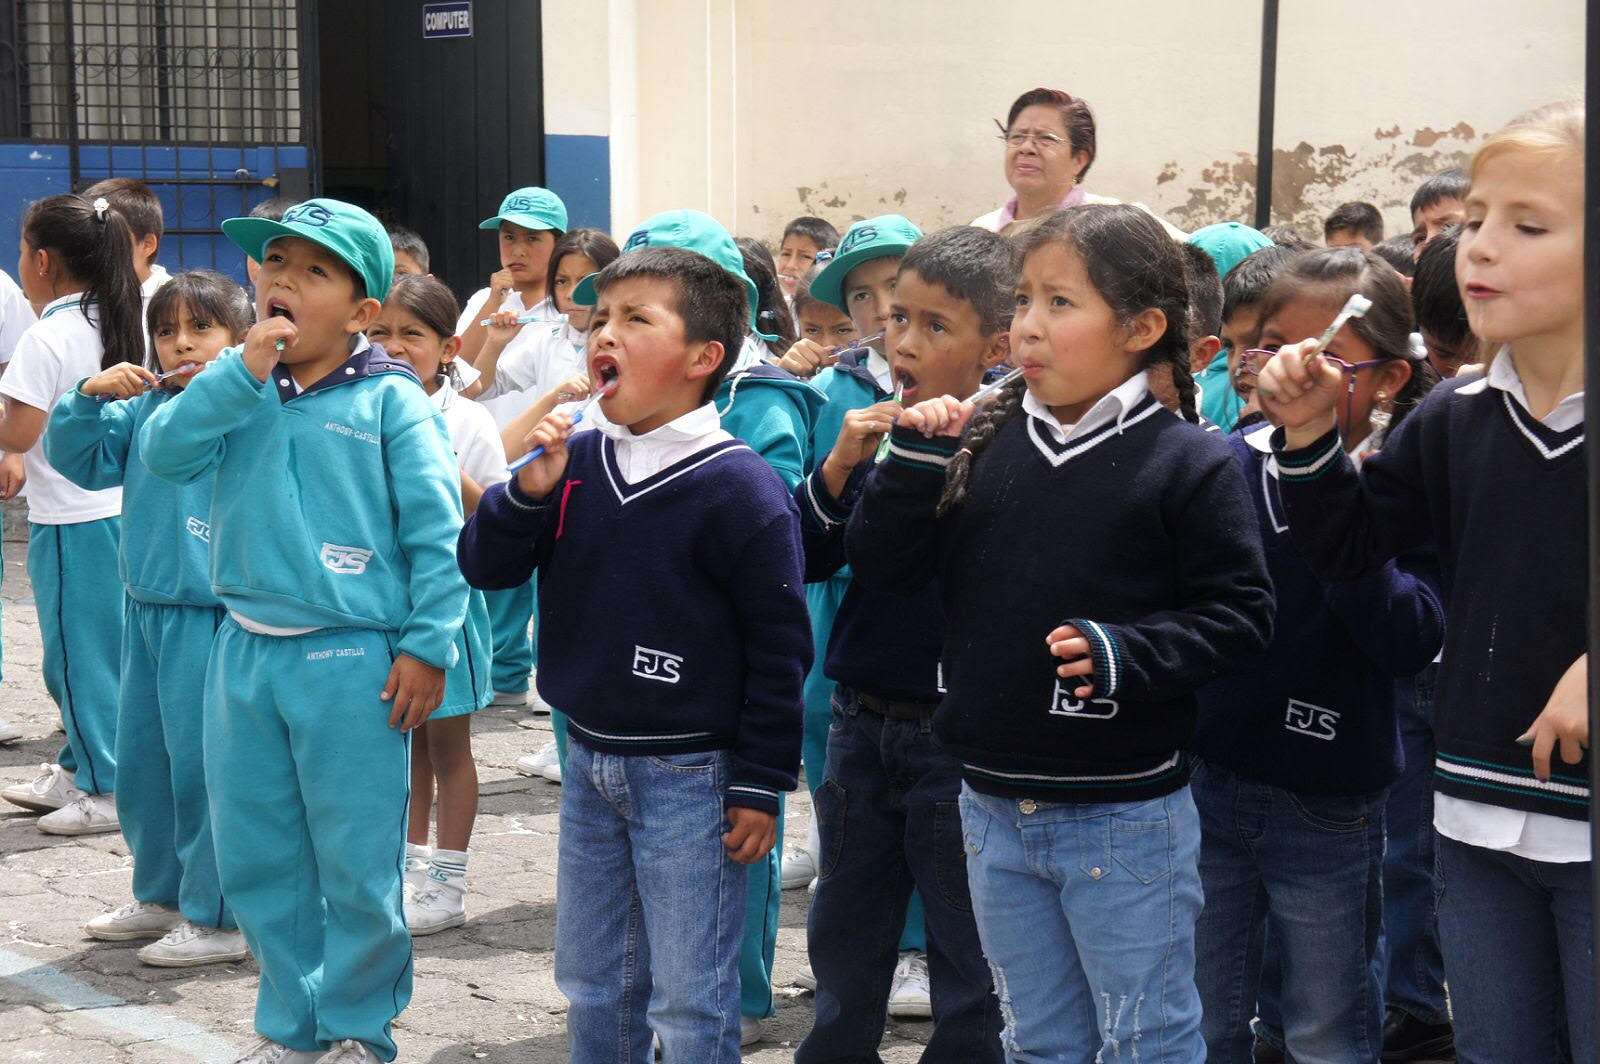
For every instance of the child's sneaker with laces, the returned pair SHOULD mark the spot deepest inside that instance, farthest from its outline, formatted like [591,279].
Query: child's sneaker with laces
[437,905]
[87,814]
[349,1051]
[266,1051]
[909,995]
[190,945]
[49,790]
[546,764]
[136,919]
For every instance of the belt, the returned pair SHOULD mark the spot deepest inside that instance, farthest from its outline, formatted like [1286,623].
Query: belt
[896,709]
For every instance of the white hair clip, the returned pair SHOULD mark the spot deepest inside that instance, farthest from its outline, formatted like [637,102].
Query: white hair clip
[100,207]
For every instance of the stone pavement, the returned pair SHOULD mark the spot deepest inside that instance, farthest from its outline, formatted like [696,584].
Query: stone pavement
[484,992]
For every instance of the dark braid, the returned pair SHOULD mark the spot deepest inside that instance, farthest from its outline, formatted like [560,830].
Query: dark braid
[1183,382]
[984,427]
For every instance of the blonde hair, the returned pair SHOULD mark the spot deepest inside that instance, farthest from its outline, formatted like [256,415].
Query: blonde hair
[1555,128]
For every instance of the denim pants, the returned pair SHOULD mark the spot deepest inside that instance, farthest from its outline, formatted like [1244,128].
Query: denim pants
[1087,916]
[1517,940]
[649,908]
[1413,967]
[889,819]
[1308,870]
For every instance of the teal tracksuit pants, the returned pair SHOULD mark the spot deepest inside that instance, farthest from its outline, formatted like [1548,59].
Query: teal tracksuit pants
[509,613]
[79,595]
[309,788]
[161,782]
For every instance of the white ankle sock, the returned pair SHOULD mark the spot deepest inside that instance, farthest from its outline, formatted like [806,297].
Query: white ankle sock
[448,866]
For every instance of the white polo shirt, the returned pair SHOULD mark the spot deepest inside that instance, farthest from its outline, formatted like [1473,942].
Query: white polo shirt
[16,315]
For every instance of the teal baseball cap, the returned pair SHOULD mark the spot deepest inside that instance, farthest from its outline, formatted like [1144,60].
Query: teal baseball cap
[692,231]
[356,237]
[1229,243]
[532,208]
[874,238]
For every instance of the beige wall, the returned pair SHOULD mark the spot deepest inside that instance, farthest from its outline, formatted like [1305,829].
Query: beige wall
[758,110]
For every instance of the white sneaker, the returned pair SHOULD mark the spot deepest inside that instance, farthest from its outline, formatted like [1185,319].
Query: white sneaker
[909,997]
[49,790]
[88,814]
[189,945]
[266,1051]
[349,1051]
[807,979]
[799,868]
[536,703]
[436,906]
[415,871]
[749,1030]
[509,698]
[538,765]
[9,733]
[136,919]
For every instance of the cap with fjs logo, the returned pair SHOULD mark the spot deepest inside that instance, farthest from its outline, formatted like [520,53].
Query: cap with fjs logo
[532,208]
[875,238]
[352,234]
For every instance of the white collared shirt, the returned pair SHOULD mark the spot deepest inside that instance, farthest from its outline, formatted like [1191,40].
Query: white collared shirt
[15,316]
[473,437]
[1114,406]
[158,277]
[878,366]
[1535,836]
[644,456]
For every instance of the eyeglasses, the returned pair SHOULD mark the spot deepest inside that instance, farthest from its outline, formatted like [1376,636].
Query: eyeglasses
[1253,360]
[1021,138]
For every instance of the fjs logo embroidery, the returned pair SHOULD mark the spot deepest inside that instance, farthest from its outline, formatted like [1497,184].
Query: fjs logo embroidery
[1318,722]
[639,239]
[857,237]
[1063,703]
[656,665]
[350,560]
[199,529]
[311,214]
[519,203]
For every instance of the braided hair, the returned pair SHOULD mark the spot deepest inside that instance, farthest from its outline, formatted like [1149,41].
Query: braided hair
[1134,266]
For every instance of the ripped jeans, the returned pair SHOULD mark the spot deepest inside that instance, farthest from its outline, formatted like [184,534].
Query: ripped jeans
[1087,915]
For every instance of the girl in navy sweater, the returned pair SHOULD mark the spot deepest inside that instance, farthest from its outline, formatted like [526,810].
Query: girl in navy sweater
[1491,469]
[1299,744]
[1098,562]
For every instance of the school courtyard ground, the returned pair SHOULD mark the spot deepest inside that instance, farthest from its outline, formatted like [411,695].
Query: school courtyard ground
[484,992]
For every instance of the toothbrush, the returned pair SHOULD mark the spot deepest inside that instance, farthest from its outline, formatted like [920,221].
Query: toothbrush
[522,319]
[1355,307]
[991,388]
[883,447]
[858,343]
[577,416]
[183,370]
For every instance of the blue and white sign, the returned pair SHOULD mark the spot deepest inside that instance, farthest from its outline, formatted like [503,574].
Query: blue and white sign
[449,18]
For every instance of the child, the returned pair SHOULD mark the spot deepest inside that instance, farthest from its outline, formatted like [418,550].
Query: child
[1353,225]
[272,210]
[773,313]
[77,265]
[823,329]
[1080,834]
[947,325]
[804,240]
[15,318]
[336,502]
[1436,301]
[1298,744]
[410,253]
[417,324]
[1400,253]
[1228,244]
[530,222]
[679,755]
[1436,205]
[1243,288]
[1491,469]
[142,210]
[172,617]
[859,281]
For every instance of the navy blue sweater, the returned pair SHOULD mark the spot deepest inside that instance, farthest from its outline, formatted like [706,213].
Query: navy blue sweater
[1503,497]
[882,643]
[1315,712]
[1140,534]
[671,612]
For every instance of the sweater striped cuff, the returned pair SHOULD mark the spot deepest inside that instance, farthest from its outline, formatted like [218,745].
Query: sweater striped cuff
[909,447]
[753,796]
[1309,462]
[820,508]
[516,498]
[1106,654]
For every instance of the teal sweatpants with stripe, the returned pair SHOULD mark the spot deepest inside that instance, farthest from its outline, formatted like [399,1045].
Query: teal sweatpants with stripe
[79,596]
[161,781]
[510,612]
[309,789]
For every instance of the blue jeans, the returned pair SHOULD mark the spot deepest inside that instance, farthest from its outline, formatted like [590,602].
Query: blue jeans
[649,908]
[1517,953]
[1411,962]
[889,819]
[1308,869]
[1087,915]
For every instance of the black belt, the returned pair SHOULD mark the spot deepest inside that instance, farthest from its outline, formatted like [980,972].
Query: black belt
[896,709]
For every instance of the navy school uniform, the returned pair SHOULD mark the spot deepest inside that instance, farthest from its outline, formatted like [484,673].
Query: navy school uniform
[333,522]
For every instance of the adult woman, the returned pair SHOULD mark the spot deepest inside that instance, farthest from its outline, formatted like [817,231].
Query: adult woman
[1050,145]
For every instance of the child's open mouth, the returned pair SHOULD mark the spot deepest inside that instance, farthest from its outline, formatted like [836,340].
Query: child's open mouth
[905,384]
[278,309]
[607,374]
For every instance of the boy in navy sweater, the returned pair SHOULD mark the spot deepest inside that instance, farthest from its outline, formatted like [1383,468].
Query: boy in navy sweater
[947,324]
[684,703]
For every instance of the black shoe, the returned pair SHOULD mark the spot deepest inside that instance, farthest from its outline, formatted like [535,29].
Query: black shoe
[1267,1053]
[1406,1038]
